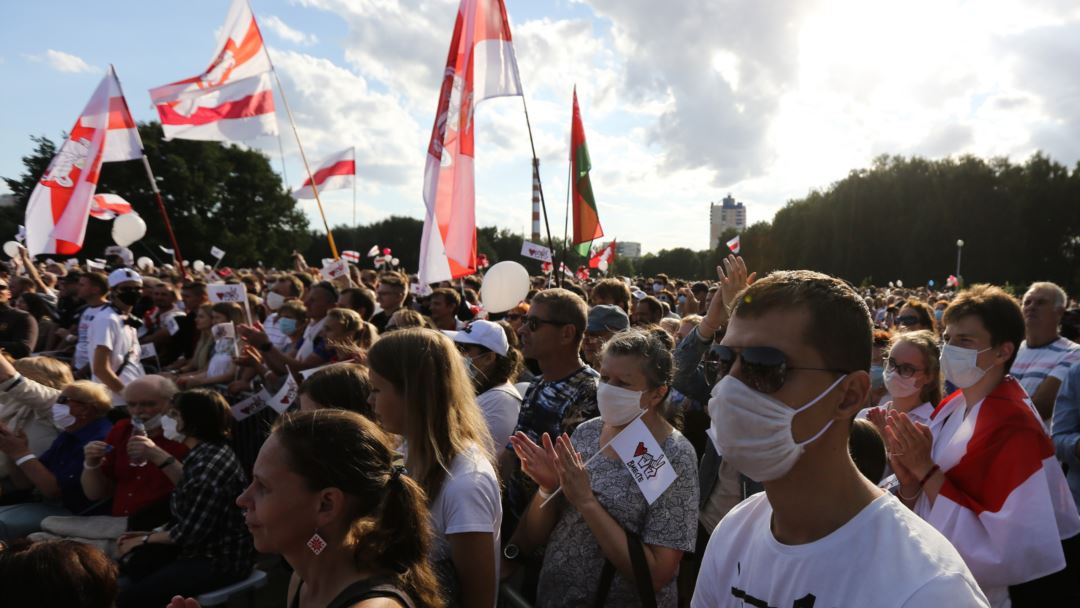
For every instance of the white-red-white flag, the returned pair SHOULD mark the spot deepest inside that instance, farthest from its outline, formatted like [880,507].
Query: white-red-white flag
[480,65]
[233,99]
[351,256]
[374,251]
[108,206]
[335,173]
[734,245]
[59,206]
[606,255]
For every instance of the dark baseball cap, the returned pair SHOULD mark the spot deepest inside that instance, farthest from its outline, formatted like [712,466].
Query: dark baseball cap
[606,317]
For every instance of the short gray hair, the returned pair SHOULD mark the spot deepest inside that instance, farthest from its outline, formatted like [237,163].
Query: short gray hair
[1060,299]
[161,385]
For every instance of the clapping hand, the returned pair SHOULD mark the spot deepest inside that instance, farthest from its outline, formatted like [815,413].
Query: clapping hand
[537,462]
[909,445]
[573,476]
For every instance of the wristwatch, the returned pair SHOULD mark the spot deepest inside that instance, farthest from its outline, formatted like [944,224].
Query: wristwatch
[511,552]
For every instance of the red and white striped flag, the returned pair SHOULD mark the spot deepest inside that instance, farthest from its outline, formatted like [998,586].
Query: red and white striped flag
[232,100]
[335,173]
[108,206]
[351,256]
[734,245]
[374,251]
[480,65]
[606,255]
[59,206]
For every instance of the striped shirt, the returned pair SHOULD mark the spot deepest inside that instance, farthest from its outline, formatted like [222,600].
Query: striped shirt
[1033,365]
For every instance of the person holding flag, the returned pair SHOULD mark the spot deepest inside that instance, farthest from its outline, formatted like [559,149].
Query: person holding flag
[618,529]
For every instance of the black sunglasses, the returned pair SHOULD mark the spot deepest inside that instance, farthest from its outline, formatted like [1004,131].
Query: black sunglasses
[534,323]
[513,317]
[907,320]
[905,370]
[762,368]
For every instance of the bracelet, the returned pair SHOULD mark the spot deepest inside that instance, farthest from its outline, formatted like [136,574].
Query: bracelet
[543,495]
[168,461]
[25,459]
[908,498]
[929,474]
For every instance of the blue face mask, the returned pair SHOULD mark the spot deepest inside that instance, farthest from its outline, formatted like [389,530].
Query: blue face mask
[939,313]
[287,326]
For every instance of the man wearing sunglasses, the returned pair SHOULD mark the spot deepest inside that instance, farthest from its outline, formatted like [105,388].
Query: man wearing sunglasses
[793,367]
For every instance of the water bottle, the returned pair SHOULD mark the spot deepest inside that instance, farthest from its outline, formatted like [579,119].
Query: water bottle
[138,429]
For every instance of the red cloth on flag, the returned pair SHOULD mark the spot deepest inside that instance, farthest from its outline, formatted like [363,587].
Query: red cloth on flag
[108,206]
[606,254]
[232,99]
[479,66]
[334,173]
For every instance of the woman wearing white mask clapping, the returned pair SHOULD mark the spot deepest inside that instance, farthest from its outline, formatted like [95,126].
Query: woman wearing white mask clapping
[606,544]
[912,378]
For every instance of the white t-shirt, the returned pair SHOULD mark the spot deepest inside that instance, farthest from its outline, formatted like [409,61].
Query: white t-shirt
[501,406]
[221,361]
[308,345]
[468,501]
[82,349]
[110,330]
[885,556]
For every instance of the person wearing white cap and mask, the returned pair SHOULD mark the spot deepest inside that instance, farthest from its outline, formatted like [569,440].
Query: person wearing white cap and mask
[113,339]
[493,365]
[793,365]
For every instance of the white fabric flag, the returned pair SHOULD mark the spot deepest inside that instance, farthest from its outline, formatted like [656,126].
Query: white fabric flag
[338,172]
[644,459]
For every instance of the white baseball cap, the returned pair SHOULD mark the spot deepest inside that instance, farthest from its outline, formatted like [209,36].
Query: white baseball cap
[482,333]
[123,275]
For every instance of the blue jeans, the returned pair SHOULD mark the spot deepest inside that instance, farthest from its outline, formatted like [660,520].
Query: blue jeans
[16,521]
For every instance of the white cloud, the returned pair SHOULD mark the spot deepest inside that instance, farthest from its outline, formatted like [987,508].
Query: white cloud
[63,62]
[283,31]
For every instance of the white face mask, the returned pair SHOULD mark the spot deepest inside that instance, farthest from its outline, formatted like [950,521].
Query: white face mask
[61,415]
[898,386]
[618,406]
[152,422]
[960,365]
[169,426]
[752,430]
[274,300]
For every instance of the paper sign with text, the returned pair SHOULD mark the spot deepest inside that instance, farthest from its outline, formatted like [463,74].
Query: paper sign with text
[286,394]
[335,269]
[251,405]
[147,351]
[536,252]
[223,330]
[217,253]
[644,459]
[221,292]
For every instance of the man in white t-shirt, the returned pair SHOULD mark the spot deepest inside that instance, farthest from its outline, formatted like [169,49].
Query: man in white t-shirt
[93,289]
[114,340]
[793,363]
[1044,357]
[319,300]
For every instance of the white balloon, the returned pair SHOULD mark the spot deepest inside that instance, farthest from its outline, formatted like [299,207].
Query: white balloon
[899,283]
[11,248]
[199,265]
[128,228]
[145,263]
[603,265]
[505,285]
[395,262]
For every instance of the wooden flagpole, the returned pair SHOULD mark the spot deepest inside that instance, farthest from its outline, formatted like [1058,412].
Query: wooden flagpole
[157,193]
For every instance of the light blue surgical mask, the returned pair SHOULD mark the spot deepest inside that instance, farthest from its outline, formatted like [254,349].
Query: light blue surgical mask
[877,376]
[287,325]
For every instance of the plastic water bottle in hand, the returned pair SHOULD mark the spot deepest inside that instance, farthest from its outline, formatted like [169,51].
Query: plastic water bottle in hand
[138,429]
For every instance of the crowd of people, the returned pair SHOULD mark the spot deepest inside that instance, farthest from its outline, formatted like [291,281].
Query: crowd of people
[823,444]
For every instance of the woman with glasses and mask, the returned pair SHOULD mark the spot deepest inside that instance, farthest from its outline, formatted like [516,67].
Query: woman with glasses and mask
[79,412]
[912,378]
[601,524]
[984,472]
[205,545]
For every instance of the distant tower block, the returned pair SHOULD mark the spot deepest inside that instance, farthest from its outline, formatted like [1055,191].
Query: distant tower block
[728,214]
[536,202]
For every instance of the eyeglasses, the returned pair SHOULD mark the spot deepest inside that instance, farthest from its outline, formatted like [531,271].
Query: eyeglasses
[907,320]
[905,370]
[762,368]
[64,400]
[534,323]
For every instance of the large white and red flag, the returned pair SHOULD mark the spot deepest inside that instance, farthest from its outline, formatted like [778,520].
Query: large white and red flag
[59,206]
[480,65]
[233,99]
[335,173]
[1005,503]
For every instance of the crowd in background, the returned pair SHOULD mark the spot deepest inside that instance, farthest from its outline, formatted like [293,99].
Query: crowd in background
[831,444]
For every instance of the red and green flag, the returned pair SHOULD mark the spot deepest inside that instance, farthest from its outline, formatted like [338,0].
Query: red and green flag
[586,219]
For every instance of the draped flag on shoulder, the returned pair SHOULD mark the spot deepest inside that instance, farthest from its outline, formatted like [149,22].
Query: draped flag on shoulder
[735,245]
[335,173]
[108,206]
[59,206]
[643,458]
[586,217]
[233,99]
[480,65]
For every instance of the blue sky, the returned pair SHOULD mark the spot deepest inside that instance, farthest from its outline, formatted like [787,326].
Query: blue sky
[682,102]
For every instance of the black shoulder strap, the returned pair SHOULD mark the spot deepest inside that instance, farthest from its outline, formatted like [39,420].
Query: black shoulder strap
[369,589]
[642,576]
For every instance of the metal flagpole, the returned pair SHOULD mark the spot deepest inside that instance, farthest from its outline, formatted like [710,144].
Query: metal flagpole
[536,170]
[157,193]
[303,157]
